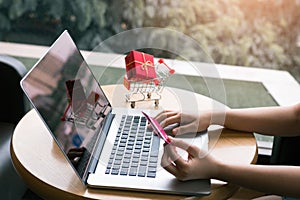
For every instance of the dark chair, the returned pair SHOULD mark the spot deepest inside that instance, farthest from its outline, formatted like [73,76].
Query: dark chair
[286,151]
[13,106]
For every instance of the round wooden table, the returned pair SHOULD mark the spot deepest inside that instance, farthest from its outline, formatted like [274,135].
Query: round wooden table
[45,170]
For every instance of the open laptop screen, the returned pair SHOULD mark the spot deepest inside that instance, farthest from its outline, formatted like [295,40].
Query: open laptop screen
[67,96]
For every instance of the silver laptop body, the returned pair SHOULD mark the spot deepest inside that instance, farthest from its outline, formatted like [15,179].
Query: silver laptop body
[86,127]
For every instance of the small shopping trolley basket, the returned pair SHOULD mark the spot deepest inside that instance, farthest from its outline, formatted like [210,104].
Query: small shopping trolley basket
[82,110]
[150,89]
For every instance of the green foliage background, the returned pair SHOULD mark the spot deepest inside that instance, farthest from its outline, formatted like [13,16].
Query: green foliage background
[259,33]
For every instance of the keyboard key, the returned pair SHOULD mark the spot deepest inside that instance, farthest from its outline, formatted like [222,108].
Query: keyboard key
[152,165]
[123,141]
[136,155]
[125,165]
[153,159]
[109,166]
[127,156]
[133,171]
[122,144]
[151,174]
[137,151]
[110,161]
[144,158]
[155,146]
[147,142]
[128,151]
[150,134]
[116,167]
[141,134]
[151,169]
[130,143]
[114,172]
[124,137]
[129,147]
[124,171]
[135,164]
[131,139]
[145,154]
[117,162]
[142,171]
[143,163]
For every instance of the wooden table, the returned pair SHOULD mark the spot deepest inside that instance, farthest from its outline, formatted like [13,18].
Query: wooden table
[45,170]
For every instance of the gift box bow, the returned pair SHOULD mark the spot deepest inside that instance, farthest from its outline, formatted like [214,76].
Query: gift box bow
[144,64]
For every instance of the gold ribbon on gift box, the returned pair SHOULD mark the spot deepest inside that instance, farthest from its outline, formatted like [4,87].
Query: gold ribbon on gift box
[144,65]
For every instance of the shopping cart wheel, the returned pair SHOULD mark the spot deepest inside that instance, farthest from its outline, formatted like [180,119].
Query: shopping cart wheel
[156,102]
[148,95]
[132,104]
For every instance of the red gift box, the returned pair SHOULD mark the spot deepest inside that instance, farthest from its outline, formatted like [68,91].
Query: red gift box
[140,66]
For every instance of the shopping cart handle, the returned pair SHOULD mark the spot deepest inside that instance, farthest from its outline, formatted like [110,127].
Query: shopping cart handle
[161,61]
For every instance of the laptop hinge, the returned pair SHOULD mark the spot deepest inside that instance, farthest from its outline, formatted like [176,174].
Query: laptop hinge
[100,142]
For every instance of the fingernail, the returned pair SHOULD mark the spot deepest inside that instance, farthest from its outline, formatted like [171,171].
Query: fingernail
[175,131]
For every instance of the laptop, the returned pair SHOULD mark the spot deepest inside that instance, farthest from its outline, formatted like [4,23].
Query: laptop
[108,147]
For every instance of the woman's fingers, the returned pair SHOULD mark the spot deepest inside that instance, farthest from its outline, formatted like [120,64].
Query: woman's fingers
[174,163]
[191,149]
[167,117]
[171,155]
[187,123]
[182,129]
[167,164]
[174,156]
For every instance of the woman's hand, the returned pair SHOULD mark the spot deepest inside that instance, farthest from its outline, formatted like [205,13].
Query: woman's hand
[188,123]
[198,165]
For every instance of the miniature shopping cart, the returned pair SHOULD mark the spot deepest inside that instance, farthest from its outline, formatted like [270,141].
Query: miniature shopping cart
[82,110]
[150,89]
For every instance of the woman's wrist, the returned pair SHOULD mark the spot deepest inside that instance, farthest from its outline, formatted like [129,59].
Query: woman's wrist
[218,118]
[217,170]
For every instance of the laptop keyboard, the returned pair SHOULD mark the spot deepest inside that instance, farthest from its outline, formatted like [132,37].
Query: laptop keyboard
[135,150]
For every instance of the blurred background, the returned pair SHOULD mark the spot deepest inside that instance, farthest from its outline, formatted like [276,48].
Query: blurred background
[256,33]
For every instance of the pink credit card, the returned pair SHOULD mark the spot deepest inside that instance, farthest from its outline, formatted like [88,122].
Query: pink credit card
[157,129]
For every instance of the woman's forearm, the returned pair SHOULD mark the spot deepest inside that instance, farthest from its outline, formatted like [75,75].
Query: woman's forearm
[281,121]
[281,180]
